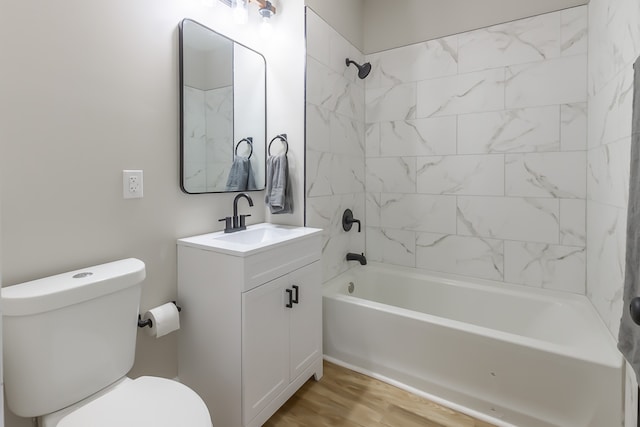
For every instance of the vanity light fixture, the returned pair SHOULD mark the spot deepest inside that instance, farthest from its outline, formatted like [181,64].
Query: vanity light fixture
[240,11]
[265,8]
[266,11]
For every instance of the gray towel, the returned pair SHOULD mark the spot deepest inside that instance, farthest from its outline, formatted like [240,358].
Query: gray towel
[240,177]
[278,195]
[629,334]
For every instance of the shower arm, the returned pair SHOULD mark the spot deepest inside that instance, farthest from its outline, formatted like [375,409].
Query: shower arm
[363,70]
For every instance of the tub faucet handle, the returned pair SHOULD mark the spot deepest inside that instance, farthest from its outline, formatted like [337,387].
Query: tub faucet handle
[348,220]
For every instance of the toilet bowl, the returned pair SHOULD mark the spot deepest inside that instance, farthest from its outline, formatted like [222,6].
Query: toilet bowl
[85,321]
[145,401]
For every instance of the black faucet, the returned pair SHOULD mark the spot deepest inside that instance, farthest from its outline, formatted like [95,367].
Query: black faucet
[357,257]
[236,222]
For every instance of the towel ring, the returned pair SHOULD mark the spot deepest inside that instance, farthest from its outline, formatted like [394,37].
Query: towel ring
[248,140]
[282,137]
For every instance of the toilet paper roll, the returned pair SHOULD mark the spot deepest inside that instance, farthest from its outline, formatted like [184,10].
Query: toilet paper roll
[164,319]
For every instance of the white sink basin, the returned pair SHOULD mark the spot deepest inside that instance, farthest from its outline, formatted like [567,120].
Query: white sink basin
[255,238]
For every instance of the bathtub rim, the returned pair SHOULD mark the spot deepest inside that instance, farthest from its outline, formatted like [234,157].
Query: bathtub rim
[612,359]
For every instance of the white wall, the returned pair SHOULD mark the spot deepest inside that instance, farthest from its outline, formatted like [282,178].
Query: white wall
[345,16]
[208,69]
[390,24]
[376,25]
[90,89]
[285,54]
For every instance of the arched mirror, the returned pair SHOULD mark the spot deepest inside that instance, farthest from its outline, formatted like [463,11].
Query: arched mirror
[222,113]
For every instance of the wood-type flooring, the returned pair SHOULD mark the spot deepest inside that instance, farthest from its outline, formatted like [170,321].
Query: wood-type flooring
[348,399]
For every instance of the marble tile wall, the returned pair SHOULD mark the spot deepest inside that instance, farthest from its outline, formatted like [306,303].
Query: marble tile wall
[614,45]
[220,137]
[335,140]
[195,126]
[208,126]
[479,158]
[476,153]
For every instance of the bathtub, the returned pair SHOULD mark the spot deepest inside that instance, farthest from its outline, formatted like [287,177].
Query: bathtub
[505,354]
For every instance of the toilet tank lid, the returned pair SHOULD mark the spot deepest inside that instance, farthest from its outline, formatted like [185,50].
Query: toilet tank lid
[65,289]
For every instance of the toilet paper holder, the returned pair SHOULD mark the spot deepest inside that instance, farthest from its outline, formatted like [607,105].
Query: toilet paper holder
[148,322]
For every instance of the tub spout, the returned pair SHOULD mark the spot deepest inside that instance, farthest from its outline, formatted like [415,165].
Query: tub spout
[357,257]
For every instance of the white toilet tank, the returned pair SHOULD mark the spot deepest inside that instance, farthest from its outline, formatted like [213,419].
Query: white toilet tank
[68,336]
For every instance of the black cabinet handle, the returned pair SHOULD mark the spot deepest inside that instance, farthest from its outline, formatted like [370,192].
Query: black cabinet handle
[290,295]
[297,289]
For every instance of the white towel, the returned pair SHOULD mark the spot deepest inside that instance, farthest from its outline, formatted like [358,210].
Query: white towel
[278,195]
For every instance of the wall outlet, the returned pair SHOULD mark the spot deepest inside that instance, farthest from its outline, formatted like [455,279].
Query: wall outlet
[132,184]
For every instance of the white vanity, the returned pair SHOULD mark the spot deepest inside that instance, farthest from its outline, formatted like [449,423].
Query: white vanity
[251,325]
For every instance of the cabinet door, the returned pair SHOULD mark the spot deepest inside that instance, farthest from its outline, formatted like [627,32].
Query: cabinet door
[305,318]
[265,346]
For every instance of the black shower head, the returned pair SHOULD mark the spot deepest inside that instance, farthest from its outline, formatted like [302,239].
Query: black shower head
[363,70]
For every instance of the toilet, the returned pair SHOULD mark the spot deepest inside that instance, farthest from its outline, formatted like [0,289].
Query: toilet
[69,341]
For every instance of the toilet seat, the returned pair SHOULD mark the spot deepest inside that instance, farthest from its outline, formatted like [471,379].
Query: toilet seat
[145,401]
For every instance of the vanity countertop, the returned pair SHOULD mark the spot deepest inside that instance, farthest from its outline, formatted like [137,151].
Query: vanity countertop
[255,239]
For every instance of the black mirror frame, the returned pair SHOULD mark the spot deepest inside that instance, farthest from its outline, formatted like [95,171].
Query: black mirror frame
[181,102]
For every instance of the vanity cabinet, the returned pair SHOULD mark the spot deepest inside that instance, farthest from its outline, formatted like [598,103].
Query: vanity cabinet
[281,323]
[251,325]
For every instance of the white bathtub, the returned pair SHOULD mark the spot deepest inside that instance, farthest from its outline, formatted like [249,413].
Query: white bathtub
[506,354]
